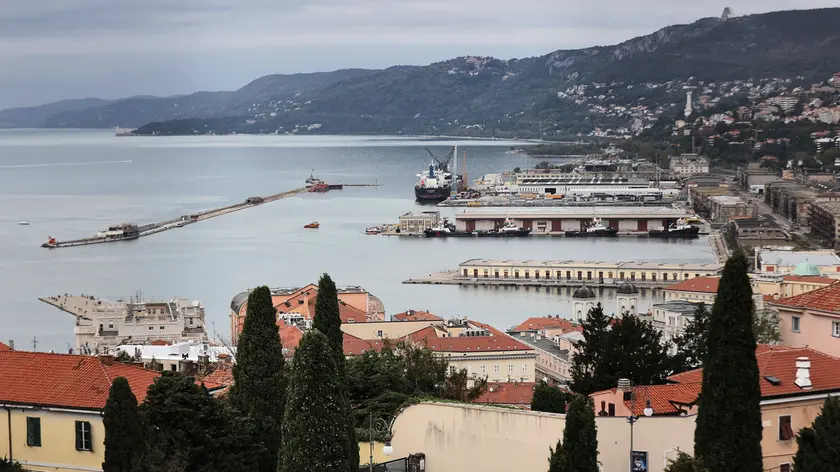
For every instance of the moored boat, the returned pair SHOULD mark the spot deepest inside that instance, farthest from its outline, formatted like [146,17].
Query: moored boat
[680,229]
[595,228]
[508,230]
[23,223]
[374,230]
[445,229]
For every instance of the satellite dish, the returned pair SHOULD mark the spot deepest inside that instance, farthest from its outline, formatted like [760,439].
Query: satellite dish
[195,303]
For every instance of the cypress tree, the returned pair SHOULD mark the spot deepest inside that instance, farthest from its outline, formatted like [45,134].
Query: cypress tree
[685,463]
[578,451]
[314,428]
[259,378]
[691,345]
[328,321]
[593,352]
[819,444]
[728,432]
[124,443]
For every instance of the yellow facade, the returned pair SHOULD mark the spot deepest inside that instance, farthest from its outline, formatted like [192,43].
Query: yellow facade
[57,452]
[502,366]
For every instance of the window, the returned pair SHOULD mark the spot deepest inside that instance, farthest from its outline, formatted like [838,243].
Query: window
[510,368]
[835,329]
[451,370]
[580,275]
[161,327]
[151,328]
[516,274]
[525,368]
[379,333]
[794,324]
[495,368]
[483,369]
[466,272]
[33,432]
[785,428]
[83,440]
[611,409]
[784,467]
[110,325]
[174,367]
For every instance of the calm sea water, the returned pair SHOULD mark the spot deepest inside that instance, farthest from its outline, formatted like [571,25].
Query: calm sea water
[74,183]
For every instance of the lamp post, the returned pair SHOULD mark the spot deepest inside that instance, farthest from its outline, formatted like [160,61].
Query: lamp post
[379,425]
[626,385]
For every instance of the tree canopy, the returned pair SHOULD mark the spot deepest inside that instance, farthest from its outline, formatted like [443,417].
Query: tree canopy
[728,432]
[124,441]
[818,445]
[549,399]
[578,450]
[259,378]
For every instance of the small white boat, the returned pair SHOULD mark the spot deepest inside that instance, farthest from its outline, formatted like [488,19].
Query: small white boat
[23,223]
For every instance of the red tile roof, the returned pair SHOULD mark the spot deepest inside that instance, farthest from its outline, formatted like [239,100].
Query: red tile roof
[65,381]
[308,298]
[220,377]
[4,347]
[160,342]
[416,315]
[697,284]
[508,393]
[290,336]
[538,323]
[780,362]
[810,278]
[665,399]
[823,299]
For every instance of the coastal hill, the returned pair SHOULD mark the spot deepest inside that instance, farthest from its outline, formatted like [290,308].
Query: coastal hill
[491,97]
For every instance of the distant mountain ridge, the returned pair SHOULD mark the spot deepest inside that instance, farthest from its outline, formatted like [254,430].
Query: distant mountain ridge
[480,95]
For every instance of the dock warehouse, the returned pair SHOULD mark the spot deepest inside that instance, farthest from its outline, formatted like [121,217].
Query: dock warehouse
[592,271]
[558,219]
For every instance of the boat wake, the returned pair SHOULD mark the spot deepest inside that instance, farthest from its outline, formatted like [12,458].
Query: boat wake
[64,164]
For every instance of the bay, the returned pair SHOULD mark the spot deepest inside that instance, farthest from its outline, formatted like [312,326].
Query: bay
[73,183]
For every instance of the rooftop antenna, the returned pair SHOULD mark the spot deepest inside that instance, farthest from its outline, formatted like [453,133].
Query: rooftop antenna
[35,344]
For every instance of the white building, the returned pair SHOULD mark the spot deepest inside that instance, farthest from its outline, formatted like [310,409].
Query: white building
[689,164]
[177,357]
[672,317]
[102,325]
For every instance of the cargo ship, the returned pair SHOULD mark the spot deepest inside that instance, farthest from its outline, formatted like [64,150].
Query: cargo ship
[595,228]
[438,183]
[680,229]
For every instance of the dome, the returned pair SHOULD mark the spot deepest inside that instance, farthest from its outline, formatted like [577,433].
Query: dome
[806,268]
[584,292]
[627,288]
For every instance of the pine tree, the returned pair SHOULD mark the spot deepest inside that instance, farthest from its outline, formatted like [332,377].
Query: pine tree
[578,452]
[328,321]
[187,429]
[314,429]
[685,463]
[123,430]
[631,349]
[819,444]
[549,399]
[728,432]
[259,377]
[593,353]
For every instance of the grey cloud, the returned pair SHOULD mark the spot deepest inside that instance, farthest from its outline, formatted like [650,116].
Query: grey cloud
[52,49]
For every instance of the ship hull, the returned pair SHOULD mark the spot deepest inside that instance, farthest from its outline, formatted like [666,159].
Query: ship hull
[505,234]
[678,233]
[431,194]
[446,234]
[592,234]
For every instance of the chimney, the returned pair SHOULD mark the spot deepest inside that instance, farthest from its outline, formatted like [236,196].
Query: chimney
[107,359]
[803,373]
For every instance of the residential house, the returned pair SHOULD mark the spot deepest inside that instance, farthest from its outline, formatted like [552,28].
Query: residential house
[54,405]
[794,384]
[689,164]
[302,300]
[811,319]
[672,317]
[784,286]
[545,335]
[665,400]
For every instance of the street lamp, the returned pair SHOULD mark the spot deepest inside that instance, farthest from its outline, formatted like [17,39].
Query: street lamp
[379,425]
[626,385]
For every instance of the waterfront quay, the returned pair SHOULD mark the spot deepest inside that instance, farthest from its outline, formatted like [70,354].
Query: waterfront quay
[558,220]
[568,273]
[138,231]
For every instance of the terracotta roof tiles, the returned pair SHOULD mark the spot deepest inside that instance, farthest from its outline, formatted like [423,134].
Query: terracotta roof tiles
[697,284]
[822,299]
[4,347]
[780,362]
[508,393]
[810,278]
[64,380]
[538,323]
[416,315]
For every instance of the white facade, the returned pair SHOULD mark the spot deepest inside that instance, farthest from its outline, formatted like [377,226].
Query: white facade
[174,357]
[689,164]
[105,325]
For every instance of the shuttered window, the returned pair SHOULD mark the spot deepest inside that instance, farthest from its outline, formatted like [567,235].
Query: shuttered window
[33,432]
[785,429]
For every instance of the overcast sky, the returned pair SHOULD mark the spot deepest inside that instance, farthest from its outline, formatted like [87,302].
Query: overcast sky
[56,49]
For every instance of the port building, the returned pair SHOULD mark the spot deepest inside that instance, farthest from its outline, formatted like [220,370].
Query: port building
[547,220]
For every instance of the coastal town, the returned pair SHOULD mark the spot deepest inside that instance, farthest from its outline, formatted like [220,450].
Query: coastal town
[612,258]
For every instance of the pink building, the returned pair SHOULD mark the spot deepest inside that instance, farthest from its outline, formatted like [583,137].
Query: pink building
[811,319]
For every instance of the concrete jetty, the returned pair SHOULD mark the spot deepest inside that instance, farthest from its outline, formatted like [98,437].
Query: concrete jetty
[130,232]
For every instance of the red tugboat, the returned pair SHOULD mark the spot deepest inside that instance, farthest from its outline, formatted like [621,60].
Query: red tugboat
[313,225]
[320,187]
[50,243]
